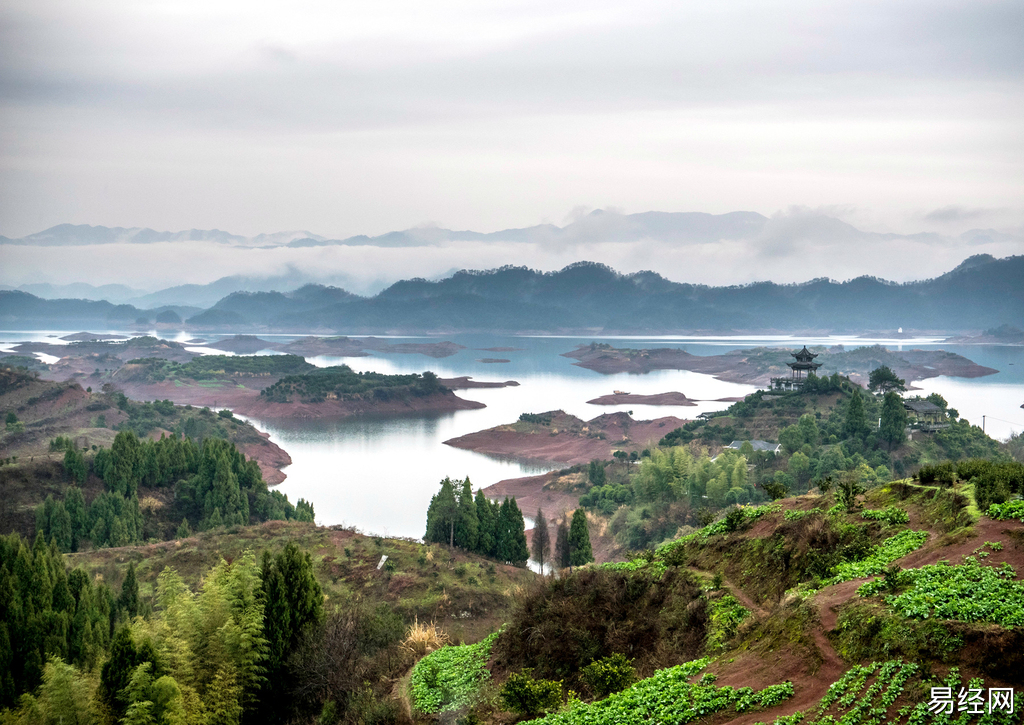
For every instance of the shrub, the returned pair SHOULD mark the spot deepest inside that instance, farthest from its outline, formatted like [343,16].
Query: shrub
[609,674]
[891,515]
[449,678]
[524,695]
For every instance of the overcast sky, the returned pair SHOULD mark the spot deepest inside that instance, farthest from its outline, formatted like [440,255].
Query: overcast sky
[351,118]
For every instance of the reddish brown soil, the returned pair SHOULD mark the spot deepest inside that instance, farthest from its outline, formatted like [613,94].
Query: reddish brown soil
[658,399]
[439,402]
[270,457]
[1009,533]
[466,382]
[530,495]
[568,439]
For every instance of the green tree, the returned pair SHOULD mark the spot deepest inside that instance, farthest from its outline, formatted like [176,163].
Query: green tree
[60,526]
[884,379]
[74,466]
[125,455]
[128,602]
[580,552]
[562,547]
[792,438]
[74,502]
[894,420]
[800,468]
[467,522]
[441,515]
[512,534]
[596,473]
[486,522]
[855,424]
[65,696]
[809,429]
[541,543]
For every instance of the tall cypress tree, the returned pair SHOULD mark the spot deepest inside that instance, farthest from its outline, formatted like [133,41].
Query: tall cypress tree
[855,424]
[541,539]
[486,541]
[467,523]
[128,602]
[441,515]
[512,534]
[562,544]
[580,552]
[293,606]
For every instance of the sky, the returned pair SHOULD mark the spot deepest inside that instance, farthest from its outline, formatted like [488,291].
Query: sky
[348,118]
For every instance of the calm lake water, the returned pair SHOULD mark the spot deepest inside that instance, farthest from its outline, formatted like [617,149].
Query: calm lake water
[378,474]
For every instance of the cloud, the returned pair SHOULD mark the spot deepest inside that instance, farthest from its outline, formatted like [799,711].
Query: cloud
[952,214]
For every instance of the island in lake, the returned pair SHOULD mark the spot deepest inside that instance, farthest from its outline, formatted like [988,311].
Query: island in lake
[266,386]
[563,438]
[758,365]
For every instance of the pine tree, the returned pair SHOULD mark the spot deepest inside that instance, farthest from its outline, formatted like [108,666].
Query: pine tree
[562,544]
[467,523]
[74,502]
[512,534]
[541,539]
[580,552]
[894,419]
[441,515]
[60,526]
[855,424]
[128,602]
[486,541]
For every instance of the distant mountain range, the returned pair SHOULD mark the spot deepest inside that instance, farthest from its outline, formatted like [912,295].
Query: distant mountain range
[597,226]
[982,292]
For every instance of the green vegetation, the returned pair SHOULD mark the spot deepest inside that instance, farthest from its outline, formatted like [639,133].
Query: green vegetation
[967,592]
[879,557]
[868,693]
[476,524]
[213,367]
[667,696]
[1008,510]
[891,515]
[608,675]
[449,678]
[524,695]
[342,383]
[213,484]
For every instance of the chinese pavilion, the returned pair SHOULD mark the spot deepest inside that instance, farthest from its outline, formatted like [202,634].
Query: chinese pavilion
[803,364]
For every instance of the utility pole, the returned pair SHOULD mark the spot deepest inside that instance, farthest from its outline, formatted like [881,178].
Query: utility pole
[983,424]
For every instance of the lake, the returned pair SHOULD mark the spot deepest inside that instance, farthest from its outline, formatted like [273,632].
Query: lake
[378,474]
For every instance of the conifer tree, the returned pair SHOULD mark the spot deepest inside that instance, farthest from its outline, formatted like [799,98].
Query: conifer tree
[467,523]
[580,552]
[512,534]
[58,526]
[562,543]
[486,541]
[541,539]
[441,515]
[855,424]
[74,502]
[128,602]
[894,419]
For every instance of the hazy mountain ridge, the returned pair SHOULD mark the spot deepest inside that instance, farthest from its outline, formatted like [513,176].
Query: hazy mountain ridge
[982,292]
[597,226]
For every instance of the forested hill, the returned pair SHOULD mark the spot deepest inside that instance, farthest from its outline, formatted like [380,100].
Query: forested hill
[982,292]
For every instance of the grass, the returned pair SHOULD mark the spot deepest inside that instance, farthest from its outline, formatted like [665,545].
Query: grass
[345,563]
